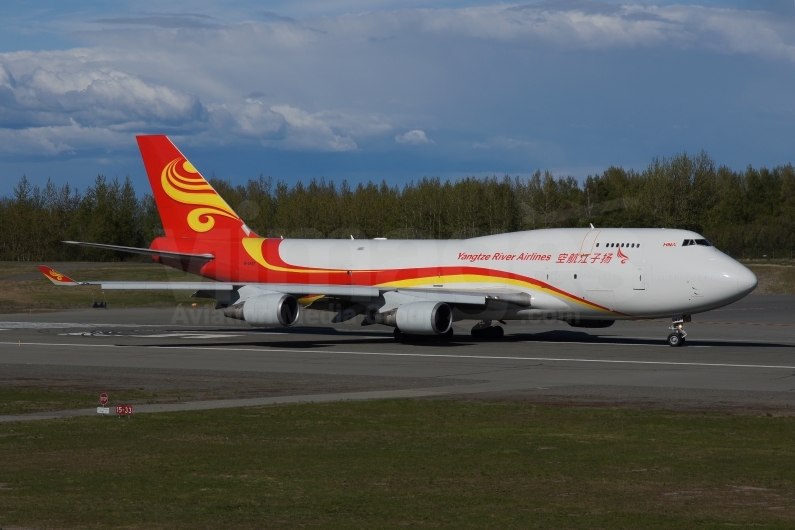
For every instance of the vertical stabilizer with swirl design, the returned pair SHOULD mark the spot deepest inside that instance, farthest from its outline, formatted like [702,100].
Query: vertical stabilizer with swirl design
[189,207]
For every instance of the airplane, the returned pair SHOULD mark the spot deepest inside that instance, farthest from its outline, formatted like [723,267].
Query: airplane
[587,277]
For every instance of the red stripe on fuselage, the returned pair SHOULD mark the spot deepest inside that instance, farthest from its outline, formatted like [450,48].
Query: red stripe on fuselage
[233,264]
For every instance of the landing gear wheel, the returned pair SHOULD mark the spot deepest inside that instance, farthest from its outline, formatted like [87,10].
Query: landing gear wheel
[497,333]
[489,333]
[675,340]
[398,335]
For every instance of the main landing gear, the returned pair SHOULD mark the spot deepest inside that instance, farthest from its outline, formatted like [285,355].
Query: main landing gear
[677,338]
[484,330]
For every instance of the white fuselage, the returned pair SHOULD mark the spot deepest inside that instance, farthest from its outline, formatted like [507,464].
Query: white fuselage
[569,272]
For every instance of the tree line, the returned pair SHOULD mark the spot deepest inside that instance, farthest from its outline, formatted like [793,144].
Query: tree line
[744,213]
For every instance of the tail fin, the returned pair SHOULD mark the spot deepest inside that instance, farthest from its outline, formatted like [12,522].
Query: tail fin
[56,277]
[189,207]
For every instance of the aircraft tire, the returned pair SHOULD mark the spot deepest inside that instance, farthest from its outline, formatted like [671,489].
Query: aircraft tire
[675,340]
[489,333]
[398,335]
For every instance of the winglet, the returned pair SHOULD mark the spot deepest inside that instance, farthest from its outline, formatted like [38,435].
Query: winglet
[56,277]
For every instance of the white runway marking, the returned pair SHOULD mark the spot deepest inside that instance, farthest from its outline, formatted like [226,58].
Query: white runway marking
[64,325]
[423,355]
[603,343]
[187,336]
[176,335]
[67,325]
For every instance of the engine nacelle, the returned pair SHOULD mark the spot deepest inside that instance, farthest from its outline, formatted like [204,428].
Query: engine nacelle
[424,318]
[266,310]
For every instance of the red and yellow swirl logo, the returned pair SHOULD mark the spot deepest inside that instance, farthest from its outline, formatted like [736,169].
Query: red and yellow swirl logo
[184,184]
[55,275]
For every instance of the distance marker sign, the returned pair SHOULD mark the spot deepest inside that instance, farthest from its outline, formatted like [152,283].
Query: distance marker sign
[103,399]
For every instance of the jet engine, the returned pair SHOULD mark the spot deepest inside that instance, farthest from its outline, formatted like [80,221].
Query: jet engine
[419,318]
[266,310]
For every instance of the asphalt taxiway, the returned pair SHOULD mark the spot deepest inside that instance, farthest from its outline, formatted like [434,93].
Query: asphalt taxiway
[742,356]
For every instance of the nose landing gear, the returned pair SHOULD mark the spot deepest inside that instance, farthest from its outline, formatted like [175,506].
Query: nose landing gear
[677,338]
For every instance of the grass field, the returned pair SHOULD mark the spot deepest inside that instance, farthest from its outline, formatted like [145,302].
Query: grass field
[32,399]
[401,463]
[774,278]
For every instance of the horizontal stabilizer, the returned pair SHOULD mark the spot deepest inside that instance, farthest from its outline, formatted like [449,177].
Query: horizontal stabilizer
[165,286]
[146,251]
[56,277]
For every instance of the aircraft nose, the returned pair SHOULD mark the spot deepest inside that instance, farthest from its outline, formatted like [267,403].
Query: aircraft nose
[738,280]
[746,280]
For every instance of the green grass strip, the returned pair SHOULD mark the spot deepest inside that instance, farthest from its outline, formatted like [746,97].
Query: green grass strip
[401,463]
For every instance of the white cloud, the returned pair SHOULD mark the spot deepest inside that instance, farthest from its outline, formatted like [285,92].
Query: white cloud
[54,140]
[310,131]
[413,137]
[249,119]
[91,98]
[331,83]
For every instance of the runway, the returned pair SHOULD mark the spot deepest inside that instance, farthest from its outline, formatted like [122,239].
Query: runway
[740,357]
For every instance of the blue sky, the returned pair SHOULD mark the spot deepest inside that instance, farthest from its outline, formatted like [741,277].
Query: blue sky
[348,89]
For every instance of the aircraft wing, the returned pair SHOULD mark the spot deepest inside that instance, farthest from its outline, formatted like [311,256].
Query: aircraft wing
[345,292]
[146,251]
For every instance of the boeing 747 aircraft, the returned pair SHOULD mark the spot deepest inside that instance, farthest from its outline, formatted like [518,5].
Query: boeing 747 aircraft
[588,277]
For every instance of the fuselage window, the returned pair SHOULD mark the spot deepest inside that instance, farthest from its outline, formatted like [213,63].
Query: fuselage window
[633,245]
[597,244]
[703,243]
[638,245]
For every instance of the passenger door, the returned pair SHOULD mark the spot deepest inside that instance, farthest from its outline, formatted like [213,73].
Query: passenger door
[639,280]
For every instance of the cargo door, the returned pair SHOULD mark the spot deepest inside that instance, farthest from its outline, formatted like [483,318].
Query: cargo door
[587,273]
[588,242]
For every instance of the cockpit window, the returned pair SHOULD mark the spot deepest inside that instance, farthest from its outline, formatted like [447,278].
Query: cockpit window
[700,242]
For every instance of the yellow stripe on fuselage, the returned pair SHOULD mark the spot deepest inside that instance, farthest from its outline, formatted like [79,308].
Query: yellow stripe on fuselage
[253,246]
[309,299]
[480,278]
